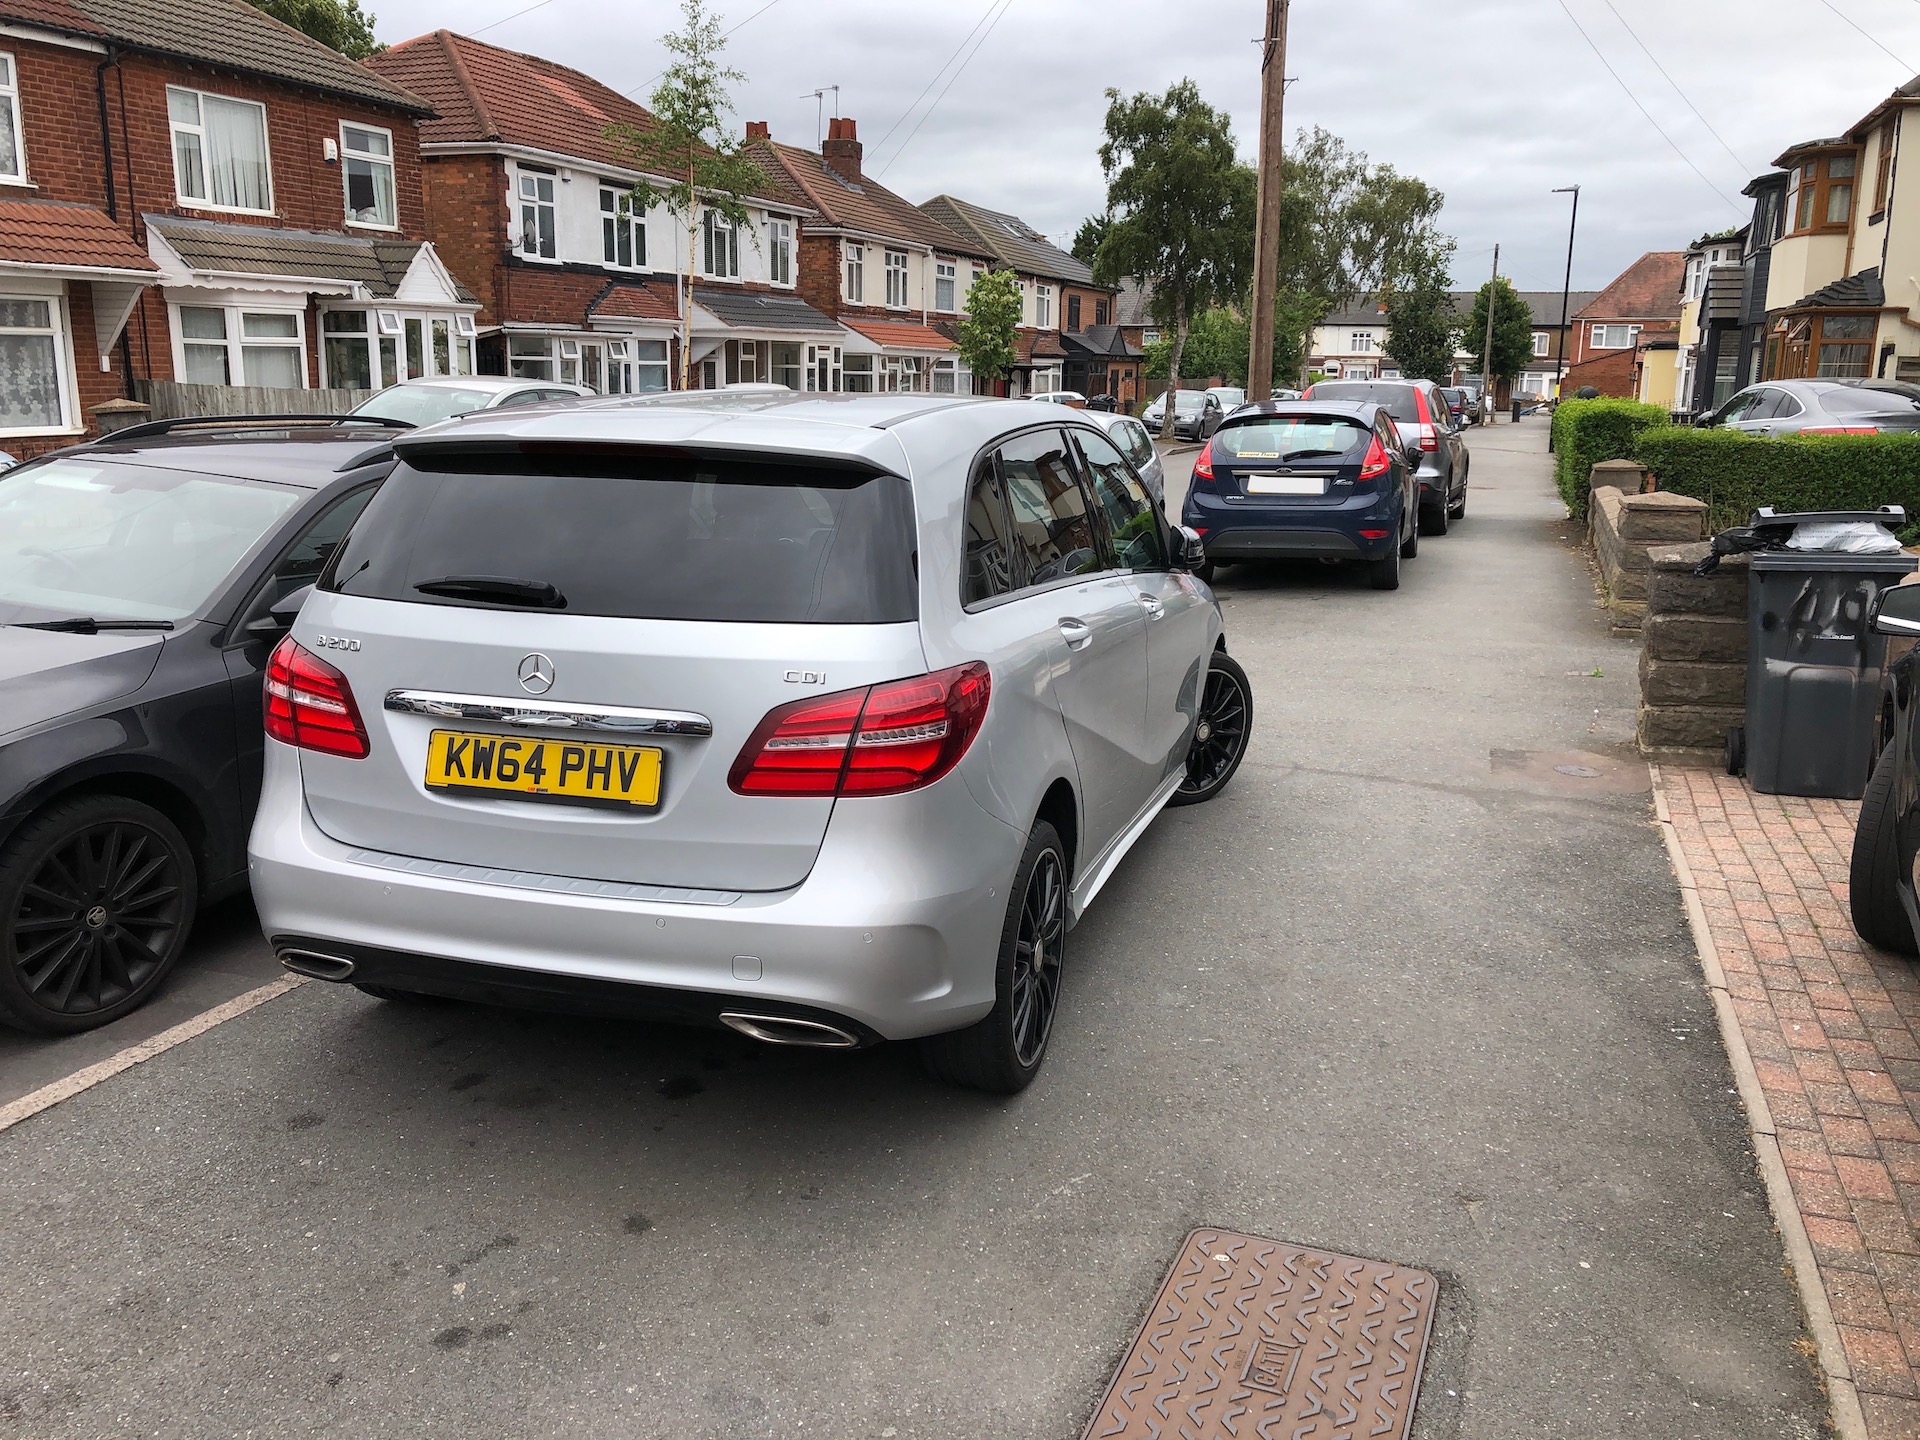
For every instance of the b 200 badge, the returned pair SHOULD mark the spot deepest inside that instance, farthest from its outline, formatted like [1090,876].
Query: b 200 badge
[335,642]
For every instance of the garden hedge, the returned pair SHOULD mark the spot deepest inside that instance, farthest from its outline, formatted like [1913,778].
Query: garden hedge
[1736,473]
[1585,432]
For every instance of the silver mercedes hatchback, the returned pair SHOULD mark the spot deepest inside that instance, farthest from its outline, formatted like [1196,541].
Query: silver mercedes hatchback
[823,717]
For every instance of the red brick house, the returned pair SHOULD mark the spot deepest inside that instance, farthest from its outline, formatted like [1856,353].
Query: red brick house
[192,191]
[891,275]
[1070,335]
[1641,305]
[532,203]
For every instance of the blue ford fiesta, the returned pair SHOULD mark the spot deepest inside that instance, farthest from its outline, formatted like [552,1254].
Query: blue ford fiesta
[1302,479]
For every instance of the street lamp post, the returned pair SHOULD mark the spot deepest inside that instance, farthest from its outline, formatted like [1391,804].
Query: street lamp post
[1566,289]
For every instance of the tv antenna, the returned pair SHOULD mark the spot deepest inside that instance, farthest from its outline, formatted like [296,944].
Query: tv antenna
[819,98]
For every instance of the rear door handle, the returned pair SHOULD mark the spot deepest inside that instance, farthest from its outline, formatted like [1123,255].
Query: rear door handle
[1077,633]
[1155,610]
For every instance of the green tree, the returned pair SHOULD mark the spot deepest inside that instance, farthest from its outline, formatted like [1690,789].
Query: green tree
[689,140]
[1086,240]
[1216,345]
[1423,328]
[1512,330]
[1182,209]
[338,24]
[986,333]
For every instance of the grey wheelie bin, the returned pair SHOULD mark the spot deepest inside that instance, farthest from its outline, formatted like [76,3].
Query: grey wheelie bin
[1813,663]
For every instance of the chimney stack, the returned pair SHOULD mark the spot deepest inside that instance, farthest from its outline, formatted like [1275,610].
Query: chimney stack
[841,151]
[757,130]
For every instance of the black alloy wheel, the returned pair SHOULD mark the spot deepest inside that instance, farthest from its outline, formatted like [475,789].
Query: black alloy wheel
[1221,732]
[97,896]
[1038,948]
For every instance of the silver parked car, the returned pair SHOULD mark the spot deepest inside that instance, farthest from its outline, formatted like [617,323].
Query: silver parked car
[1822,407]
[428,401]
[1137,445]
[1196,414]
[823,718]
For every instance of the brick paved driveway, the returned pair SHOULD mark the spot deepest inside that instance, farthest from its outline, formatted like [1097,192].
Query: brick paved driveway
[1833,1028]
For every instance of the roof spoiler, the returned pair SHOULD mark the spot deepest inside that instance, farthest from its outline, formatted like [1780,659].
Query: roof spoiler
[148,428]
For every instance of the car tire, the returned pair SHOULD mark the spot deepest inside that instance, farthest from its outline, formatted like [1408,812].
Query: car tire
[1433,519]
[97,898]
[1002,1053]
[1410,542]
[1733,752]
[1204,572]
[1458,511]
[1384,573]
[1226,713]
[1873,880]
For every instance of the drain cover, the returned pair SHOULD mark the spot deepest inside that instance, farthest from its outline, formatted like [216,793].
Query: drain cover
[1254,1337]
[1579,772]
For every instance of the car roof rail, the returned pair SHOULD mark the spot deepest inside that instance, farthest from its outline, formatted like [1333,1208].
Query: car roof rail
[146,429]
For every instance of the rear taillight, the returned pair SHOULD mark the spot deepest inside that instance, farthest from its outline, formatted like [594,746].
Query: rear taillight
[1203,468]
[309,703]
[1376,464]
[1841,430]
[878,740]
[1429,435]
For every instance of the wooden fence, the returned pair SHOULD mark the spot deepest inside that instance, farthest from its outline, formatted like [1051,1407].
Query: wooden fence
[173,401]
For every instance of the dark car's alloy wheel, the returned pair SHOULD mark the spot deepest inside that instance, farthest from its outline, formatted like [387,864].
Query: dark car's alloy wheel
[96,899]
[1877,870]
[1220,734]
[1002,1053]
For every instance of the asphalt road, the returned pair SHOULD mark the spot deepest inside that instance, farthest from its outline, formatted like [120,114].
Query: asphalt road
[1416,987]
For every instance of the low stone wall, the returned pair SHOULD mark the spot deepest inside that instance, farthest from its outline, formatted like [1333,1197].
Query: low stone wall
[1625,528]
[1693,658]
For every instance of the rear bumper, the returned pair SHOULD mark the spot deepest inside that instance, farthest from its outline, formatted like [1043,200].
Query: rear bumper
[894,934]
[1326,532]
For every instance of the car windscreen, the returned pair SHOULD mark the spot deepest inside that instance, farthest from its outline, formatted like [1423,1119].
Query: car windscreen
[1397,400]
[122,541]
[1860,400]
[1189,400]
[424,404]
[638,535]
[1291,437]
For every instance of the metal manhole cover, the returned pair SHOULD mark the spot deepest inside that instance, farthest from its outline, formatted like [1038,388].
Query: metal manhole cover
[1251,1337]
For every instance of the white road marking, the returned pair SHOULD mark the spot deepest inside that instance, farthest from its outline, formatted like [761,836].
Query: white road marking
[47,1096]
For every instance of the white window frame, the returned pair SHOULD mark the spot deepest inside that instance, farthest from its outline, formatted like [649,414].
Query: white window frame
[719,237]
[1541,340]
[896,279]
[1601,336]
[1042,307]
[236,340]
[175,127]
[946,272]
[60,327]
[523,201]
[780,254]
[612,219]
[855,283]
[1360,342]
[10,92]
[393,175]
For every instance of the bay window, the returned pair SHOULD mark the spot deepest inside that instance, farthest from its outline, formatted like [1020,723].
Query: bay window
[856,374]
[343,343]
[13,154]
[366,350]
[897,279]
[1845,347]
[720,246]
[538,222]
[1820,193]
[219,151]
[230,345]
[529,357]
[623,233]
[33,364]
[366,165]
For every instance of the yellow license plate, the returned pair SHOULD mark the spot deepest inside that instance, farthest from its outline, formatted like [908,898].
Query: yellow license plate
[572,771]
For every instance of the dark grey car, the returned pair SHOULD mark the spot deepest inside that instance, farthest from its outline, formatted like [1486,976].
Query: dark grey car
[1821,407]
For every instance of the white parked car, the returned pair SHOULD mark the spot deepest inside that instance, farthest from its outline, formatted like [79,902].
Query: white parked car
[428,401]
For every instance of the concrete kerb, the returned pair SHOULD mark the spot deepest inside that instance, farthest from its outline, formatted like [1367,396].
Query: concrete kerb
[1849,1421]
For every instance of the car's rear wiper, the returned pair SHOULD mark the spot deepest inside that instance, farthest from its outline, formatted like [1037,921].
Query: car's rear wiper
[1312,454]
[500,589]
[91,625]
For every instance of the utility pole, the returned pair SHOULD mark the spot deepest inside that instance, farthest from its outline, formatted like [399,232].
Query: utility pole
[1486,352]
[1266,235]
[1566,289]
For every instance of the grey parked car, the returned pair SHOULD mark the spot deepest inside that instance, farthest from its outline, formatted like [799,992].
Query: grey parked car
[428,401]
[1421,414]
[824,719]
[1821,407]
[1196,414]
[1137,445]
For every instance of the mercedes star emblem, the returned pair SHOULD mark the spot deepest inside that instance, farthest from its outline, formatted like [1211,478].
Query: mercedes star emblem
[536,674]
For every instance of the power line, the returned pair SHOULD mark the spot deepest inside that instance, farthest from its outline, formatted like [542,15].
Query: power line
[495,24]
[723,35]
[1006,6]
[992,5]
[1744,167]
[1869,39]
[1628,90]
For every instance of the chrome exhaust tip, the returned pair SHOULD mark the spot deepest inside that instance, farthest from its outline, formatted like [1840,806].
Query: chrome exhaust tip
[786,1030]
[316,966]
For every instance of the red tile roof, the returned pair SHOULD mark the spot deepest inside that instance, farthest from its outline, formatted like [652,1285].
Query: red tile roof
[868,207]
[483,92]
[1649,289]
[45,232]
[899,334]
[636,300]
[1032,345]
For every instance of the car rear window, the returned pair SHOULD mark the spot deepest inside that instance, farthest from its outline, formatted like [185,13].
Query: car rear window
[1291,437]
[1396,399]
[1849,400]
[642,536]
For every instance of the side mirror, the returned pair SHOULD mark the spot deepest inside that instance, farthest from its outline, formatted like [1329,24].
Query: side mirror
[1896,611]
[1190,551]
[281,615]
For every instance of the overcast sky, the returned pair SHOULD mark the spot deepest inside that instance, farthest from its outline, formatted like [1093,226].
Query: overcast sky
[1495,102]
